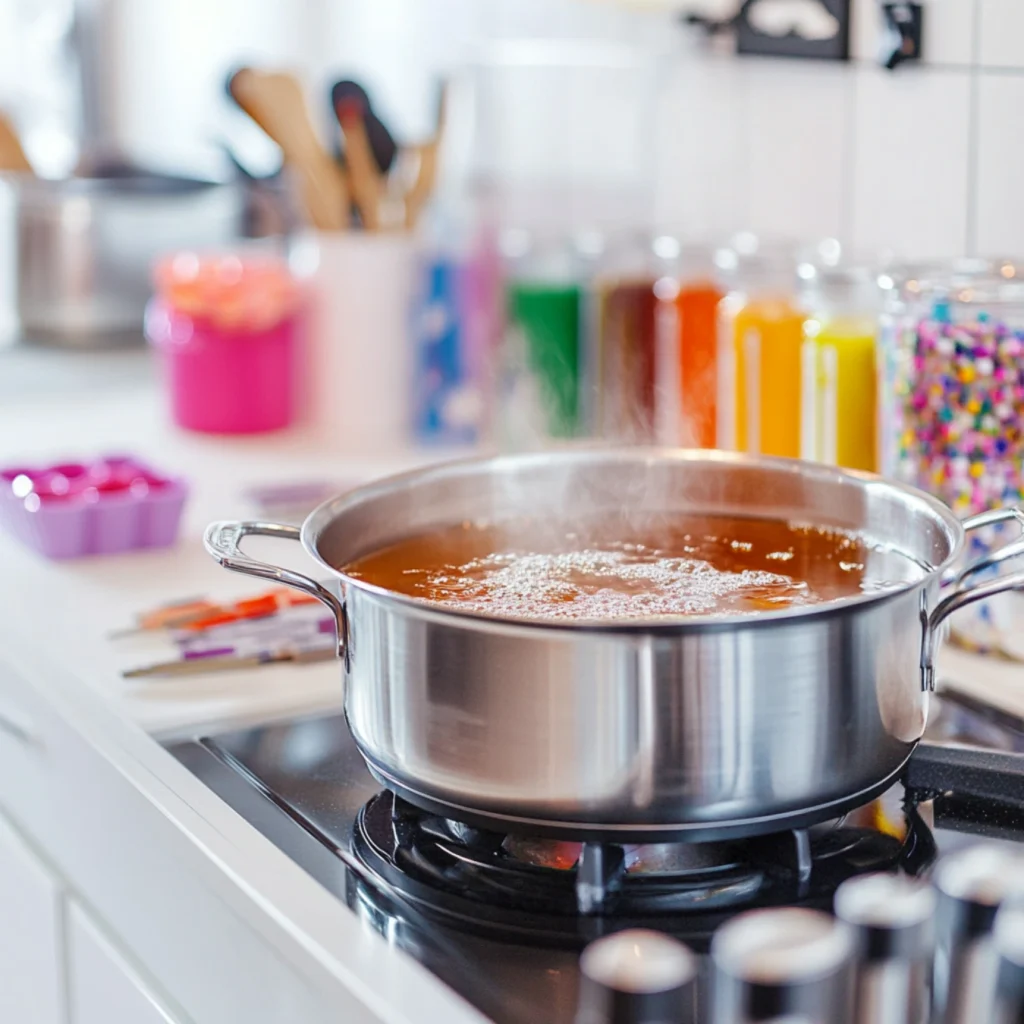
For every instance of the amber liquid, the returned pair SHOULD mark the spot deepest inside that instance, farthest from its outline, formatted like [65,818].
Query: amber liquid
[662,567]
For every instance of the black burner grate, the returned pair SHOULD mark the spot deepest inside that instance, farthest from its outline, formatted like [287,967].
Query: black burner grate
[469,876]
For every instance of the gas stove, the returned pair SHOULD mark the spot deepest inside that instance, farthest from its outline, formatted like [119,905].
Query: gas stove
[502,918]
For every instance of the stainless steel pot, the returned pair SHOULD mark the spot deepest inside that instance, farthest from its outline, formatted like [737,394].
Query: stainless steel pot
[85,249]
[696,727]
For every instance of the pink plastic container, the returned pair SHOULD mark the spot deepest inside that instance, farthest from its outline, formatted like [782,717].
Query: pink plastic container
[223,380]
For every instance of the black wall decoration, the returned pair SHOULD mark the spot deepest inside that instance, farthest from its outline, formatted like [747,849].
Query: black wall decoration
[786,28]
[794,28]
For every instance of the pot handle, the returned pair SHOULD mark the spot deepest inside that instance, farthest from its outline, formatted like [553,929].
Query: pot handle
[223,541]
[962,593]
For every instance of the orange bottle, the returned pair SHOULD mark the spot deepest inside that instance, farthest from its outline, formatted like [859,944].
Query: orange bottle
[761,334]
[697,311]
[768,335]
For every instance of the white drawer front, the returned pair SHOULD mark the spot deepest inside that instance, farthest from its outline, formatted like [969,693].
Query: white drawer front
[31,982]
[103,988]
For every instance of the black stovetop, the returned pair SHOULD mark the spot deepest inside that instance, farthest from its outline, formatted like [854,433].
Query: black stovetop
[503,929]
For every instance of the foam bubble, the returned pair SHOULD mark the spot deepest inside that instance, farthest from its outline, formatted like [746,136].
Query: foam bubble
[599,583]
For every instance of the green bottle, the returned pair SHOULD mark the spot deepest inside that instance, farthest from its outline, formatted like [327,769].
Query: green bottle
[544,336]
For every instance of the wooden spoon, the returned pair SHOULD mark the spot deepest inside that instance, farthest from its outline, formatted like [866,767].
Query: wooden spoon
[364,175]
[12,156]
[274,100]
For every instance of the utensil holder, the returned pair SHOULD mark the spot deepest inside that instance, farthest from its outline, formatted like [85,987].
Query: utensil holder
[360,353]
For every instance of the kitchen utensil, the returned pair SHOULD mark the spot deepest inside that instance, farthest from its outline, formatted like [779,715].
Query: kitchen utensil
[788,964]
[1009,944]
[229,663]
[383,145]
[364,176]
[12,156]
[972,884]
[86,245]
[893,919]
[275,102]
[637,977]
[693,727]
[105,507]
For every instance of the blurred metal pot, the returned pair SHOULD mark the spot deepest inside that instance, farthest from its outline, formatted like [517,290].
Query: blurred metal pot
[85,247]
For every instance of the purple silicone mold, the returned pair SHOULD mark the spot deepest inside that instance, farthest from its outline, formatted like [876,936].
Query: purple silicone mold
[114,504]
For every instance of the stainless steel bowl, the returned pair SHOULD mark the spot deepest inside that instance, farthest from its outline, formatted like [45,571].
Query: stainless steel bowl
[85,249]
[695,727]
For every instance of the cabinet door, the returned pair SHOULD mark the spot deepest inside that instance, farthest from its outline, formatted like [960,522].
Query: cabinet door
[102,987]
[31,986]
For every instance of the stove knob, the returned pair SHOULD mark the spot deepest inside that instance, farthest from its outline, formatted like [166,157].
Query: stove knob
[972,883]
[1009,944]
[788,963]
[637,977]
[893,920]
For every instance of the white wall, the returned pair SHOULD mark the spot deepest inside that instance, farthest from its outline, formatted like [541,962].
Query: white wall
[924,160]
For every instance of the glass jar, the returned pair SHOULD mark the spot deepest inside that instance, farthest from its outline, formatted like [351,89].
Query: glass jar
[761,334]
[954,344]
[952,406]
[838,387]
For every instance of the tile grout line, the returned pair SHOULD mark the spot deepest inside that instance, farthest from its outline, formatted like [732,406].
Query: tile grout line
[973,136]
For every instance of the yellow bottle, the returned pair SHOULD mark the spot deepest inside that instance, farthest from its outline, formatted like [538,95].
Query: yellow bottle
[839,397]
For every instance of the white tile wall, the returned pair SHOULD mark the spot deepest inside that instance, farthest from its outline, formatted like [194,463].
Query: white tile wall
[922,161]
[910,166]
[999,195]
[700,182]
[798,125]
[1001,33]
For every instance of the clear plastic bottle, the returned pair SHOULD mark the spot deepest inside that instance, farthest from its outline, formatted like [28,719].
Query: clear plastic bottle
[625,363]
[540,360]
[838,393]
[761,335]
[453,312]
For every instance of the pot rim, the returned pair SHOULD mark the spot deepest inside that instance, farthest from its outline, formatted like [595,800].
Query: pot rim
[331,509]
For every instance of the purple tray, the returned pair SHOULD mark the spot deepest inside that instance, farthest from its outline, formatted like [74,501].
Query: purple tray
[104,507]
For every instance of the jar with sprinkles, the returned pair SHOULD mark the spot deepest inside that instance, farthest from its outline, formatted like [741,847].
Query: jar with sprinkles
[951,403]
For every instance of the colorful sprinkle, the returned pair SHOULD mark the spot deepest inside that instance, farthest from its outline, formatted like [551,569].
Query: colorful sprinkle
[960,394]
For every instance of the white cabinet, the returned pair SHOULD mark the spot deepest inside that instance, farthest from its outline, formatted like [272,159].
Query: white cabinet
[31,985]
[103,988]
